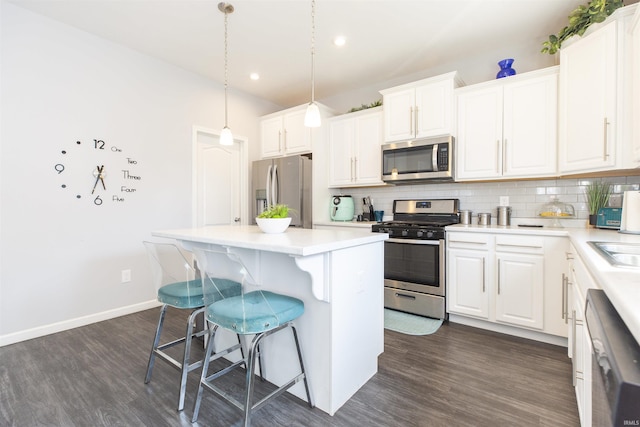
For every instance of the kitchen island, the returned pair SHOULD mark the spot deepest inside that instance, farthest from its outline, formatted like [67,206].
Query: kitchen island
[338,274]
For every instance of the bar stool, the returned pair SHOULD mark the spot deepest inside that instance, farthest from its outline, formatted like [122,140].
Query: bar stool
[259,313]
[177,286]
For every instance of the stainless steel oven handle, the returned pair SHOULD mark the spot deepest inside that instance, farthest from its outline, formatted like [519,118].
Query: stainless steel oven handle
[415,241]
[405,296]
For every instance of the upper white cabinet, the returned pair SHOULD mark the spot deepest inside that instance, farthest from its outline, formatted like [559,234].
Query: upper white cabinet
[507,128]
[354,149]
[595,129]
[420,109]
[284,132]
[635,43]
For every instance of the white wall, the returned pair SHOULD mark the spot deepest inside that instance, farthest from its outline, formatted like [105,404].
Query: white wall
[62,257]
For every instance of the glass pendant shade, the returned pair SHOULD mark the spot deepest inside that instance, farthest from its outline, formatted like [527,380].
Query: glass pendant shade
[312,116]
[226,138]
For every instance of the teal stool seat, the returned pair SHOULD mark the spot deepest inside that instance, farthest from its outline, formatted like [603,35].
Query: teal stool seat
[182,294]
[254,312]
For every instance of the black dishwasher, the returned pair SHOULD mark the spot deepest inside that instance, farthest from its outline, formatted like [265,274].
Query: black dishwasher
[615,372]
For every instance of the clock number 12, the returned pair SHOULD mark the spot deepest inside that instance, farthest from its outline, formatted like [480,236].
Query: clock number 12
[98,144]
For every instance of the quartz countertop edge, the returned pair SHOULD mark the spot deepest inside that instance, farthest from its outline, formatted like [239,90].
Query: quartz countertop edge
[294,241]
[621,284]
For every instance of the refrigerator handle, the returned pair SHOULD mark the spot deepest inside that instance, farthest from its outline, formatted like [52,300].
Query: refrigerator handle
[268,185]
[275,184]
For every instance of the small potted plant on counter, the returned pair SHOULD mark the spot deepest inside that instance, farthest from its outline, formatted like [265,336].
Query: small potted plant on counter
[274,219]
[597,194]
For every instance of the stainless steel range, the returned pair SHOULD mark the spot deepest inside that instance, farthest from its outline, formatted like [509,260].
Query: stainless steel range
[414,255]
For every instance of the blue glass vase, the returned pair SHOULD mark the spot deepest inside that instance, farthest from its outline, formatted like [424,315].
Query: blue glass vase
[505,68]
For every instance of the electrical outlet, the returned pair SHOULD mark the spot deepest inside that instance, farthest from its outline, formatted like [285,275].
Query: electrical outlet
[504,200]
[126,276]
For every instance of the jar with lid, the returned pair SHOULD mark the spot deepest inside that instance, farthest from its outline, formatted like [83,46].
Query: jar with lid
[556,210]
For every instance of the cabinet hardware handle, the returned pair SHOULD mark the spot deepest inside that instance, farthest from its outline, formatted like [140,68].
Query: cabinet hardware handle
[573,349]
[498,155]
[355,168]
[504,156]
[285,139]
[483,275]
[515,245]
[351,164]
[498,277]
[606,139]
[411,120]
[569,255]
[564,298]
[415,118]
[279,140]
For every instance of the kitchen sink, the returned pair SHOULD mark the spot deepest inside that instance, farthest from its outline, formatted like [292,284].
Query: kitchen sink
[619,254]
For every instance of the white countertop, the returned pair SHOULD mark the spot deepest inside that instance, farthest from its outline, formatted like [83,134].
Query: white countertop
[294,241]
[621,284]
[348,224]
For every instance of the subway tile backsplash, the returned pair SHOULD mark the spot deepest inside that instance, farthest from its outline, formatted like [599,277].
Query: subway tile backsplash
[525,197]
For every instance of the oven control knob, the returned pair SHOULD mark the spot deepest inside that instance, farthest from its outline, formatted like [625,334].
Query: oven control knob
[429,234]
[405,233]
[419,234]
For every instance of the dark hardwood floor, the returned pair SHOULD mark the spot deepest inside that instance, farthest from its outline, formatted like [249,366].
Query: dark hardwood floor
[459,376]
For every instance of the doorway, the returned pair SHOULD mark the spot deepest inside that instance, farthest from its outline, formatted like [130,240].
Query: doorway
[220,179]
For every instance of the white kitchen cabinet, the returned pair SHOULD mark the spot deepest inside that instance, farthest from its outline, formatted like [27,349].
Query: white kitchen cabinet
[507,128]
[635,82]
[579,281]
[284,133]
[506,280]
[595,129]
[355,149]
[420,109]
[468,273]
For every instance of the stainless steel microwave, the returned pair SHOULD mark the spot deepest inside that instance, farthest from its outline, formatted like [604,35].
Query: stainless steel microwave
[418,160]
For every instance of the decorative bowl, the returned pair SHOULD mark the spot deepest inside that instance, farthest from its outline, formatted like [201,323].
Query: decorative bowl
[273,225]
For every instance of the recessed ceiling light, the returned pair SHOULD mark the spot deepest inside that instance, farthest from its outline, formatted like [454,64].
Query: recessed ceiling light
[339,41]
[254,76]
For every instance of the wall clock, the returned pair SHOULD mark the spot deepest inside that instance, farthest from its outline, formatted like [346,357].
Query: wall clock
[98,172]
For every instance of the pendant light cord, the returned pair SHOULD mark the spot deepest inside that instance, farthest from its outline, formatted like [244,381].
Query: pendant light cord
[313,48]
[226,70]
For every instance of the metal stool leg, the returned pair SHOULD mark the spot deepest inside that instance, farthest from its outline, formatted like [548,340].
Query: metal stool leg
[156,341]
[186,368]
[203,375]
[306,383]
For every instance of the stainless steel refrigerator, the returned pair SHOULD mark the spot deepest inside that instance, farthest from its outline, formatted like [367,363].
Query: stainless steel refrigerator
[283,180]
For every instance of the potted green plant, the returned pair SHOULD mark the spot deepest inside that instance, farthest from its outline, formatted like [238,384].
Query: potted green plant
[579,20]
[597,194]
[274,219]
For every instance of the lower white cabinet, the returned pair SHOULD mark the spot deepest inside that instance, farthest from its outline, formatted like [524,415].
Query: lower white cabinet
[578,282]
[507,279]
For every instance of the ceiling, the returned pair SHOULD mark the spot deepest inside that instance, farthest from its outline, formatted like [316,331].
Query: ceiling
[386,39]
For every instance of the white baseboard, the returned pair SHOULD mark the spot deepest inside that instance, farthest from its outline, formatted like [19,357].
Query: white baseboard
[65,325]
[509,330]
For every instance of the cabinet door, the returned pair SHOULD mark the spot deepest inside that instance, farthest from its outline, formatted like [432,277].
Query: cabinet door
[297,137]
[520,289]
[479,143]
[635,78]
[368,140]
[271,136]
[530,127]
[587,102]
[434,109]
[467,277]
[341,158]
[399,120]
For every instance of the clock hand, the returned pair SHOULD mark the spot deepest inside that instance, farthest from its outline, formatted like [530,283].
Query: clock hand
[101,175]
[99,169]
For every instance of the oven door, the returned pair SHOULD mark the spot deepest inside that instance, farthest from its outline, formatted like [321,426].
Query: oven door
[414,265]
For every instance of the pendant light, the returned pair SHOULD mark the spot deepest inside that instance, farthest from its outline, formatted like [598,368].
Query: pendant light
[226,138]
[312,116]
